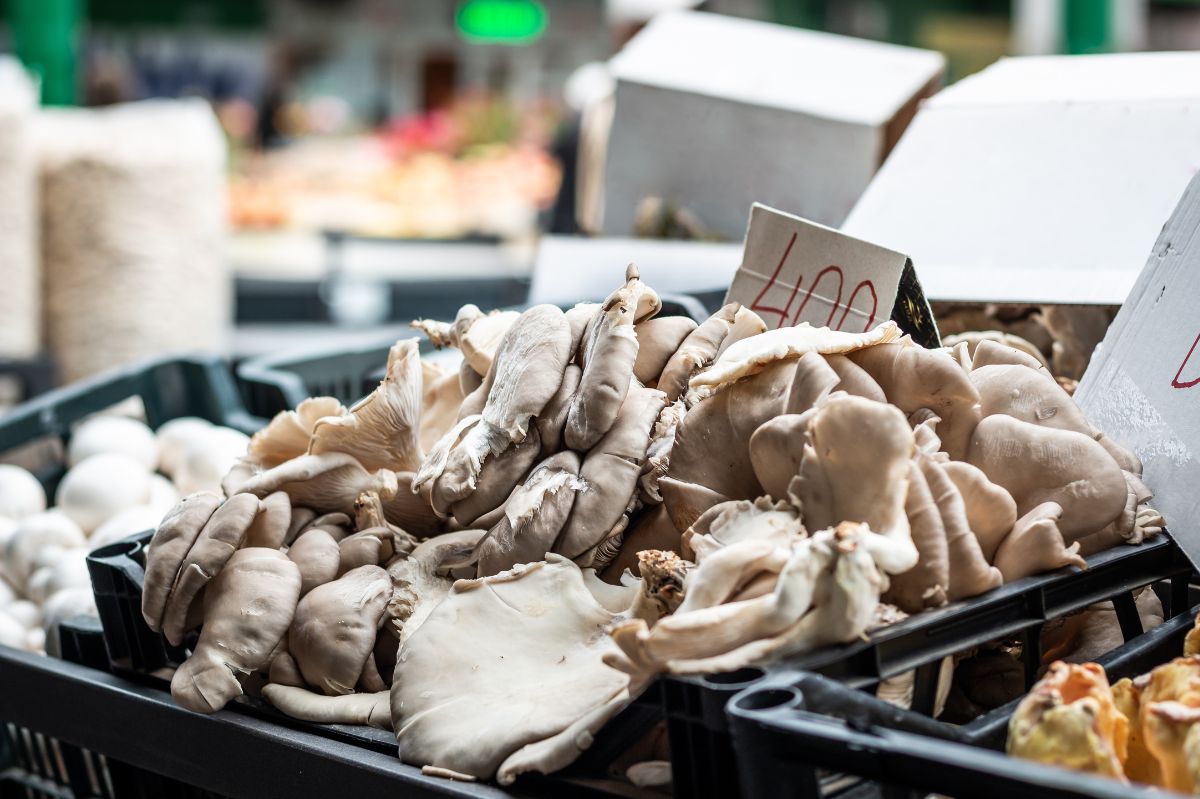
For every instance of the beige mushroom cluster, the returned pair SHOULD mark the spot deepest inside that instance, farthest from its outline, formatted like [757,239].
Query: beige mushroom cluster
[710,494]
[956,470]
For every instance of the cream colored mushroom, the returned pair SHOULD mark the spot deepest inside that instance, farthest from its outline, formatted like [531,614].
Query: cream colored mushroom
[531,672]
[222,535]
[658,452]
[317,555]
[610,473]
[658,339]
[527,372]
[913,378]
[382,430]
[607,356]
[855,468]
[289,432]
[753,354]
[333,631]
[970,574]
[991,511]
[1037,464]
[826,593]
[533,516]
[373,710]
[169,546]
[441,396]
[1035,545]
[270,527]
[696,351]
[232,642]
[926,584]
[777,523]
[326,483]
[746,323]
[476,334]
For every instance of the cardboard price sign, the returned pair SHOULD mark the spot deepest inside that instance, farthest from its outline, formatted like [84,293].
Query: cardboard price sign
[1142,388]
[797,271]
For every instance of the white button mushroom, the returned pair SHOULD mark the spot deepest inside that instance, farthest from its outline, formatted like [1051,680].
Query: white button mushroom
[69,570]
[62,606]
[126,523]
[24,611]
[163,495]
[52,528]
[176,437]
[21,494]
[209,459]
[35,640]
[7,592]
[114,434]
[11,632]
[101,486]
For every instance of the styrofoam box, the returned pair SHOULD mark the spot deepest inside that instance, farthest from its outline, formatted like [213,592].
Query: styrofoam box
[1042,179]
[714,113]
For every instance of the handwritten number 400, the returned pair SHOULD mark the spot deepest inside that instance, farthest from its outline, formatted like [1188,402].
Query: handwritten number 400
[785,313]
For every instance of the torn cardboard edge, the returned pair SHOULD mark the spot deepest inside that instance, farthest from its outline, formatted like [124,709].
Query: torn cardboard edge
[794,270]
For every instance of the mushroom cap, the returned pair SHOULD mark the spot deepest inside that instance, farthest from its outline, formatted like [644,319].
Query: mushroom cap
[382,430]
[531,672]
[21,494]
[234,643]
[753,354]
[333,631]
[114,434]
[288,433]
[317,555]
[1037,464]
[328,482]
[1030,395]
[696,351]
[658,339]
[169,546]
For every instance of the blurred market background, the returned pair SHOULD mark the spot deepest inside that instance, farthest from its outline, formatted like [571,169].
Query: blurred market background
[370,160]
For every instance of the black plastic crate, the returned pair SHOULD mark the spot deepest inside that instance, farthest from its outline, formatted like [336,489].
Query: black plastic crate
[24,378]
[274,383]
[35,433]
[796,733]
[704,760]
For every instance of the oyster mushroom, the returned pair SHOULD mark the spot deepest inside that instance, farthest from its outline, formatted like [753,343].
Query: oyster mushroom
[746,323]
[553,418]
[913,378]
[421,581]
[441,396]
[326,483]
[991,511]
[696,351]
[316,553]
[270,527]
[729,523]
[525,375]
[476,334]
[234,643]
[776,449]
[333,631]
[658,339]
[1029,395]
[372,710]
[382,430]
[608,354]
[534,515]
[497,478]
[926,584]
[826,593]
[855,468]
[530,671]
[610,474]
[652,530]
[970,574]
[995,346]
[1035,545]
[286,436]
[169,546]
[753,354]
[222,535]
[1037,464]
[658,452]
[710,456]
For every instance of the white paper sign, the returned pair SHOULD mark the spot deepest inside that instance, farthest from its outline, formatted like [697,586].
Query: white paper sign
[796,271]
[1142,388]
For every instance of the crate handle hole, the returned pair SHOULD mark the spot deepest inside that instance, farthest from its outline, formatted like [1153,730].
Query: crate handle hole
[770,699]
[744,676]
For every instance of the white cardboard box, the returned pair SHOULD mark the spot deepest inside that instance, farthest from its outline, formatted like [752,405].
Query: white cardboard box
[715,113]
[569,269]
[1142,387]
[1040,179]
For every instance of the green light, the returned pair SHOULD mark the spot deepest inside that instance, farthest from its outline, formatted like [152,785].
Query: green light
[501,21]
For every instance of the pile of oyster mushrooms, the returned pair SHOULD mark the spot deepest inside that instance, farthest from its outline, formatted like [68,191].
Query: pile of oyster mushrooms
[494,561]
